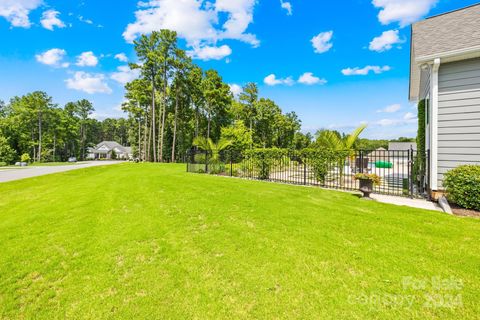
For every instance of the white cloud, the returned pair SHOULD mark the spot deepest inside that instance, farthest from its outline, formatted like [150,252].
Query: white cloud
[309,79]
[385,41]
[235,89]
[287,6]
[365,71]
[87,59]
[210,53]
[404,12]
[410,116]
[200,23]
[53,57]
[83,19]
[321,42]
[124,75]
[89,83]
[408,119]
[271,80]
[16,11]
[391,108]
[121,57]
[50,20]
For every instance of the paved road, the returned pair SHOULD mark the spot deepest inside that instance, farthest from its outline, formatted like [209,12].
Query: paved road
[28,172]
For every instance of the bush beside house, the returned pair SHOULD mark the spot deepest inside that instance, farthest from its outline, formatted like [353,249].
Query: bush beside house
[463,186]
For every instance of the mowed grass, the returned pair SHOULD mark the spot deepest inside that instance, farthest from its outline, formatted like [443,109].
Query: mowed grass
[146,241]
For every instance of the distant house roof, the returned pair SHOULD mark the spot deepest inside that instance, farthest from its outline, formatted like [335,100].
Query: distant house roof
[402,146]
[107,146]
[451,36]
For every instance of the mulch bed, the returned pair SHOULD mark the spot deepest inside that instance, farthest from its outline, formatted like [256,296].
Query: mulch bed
[462,212]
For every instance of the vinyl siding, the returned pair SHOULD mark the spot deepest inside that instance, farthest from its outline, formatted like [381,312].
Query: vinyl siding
[458,115]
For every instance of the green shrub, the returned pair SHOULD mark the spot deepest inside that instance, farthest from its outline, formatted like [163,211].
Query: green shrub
[2,164]
[321,161]
[463,186]
[200,158]
[420,164]
[264,159]
[7,154]
[25,157]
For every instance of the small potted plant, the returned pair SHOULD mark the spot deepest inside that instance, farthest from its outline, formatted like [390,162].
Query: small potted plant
[366,183]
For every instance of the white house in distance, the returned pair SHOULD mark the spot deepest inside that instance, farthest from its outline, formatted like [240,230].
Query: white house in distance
[445,72]
[105,149]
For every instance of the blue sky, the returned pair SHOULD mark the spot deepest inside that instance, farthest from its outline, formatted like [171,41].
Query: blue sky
[336,63]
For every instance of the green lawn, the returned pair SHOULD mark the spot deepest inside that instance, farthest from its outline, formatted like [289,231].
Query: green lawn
[144,241]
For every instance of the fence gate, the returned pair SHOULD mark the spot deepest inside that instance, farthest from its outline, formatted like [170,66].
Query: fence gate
[401,172]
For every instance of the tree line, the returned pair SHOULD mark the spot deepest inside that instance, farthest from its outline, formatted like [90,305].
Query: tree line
[174,101]
[33,125]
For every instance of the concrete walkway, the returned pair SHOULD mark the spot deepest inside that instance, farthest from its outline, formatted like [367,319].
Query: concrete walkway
[12,174]
[401,201]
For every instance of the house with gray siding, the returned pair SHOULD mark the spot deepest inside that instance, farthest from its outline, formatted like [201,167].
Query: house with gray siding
[445,72]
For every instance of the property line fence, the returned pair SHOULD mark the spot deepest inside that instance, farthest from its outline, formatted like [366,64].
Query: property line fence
[401,172]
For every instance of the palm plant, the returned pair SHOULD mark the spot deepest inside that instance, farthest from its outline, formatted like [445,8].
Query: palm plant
[332,140]
[211,147]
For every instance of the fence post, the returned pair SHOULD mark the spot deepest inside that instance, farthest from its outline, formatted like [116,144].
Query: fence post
[361,162]
[305,171]
[206,161]
[231,164]
[410,168]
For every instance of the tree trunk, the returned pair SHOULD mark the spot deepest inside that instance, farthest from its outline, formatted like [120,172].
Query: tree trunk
[139,139]
[208,126]
[163,116]
[153,121]
[39,136]
[175,128]
[160,138]
[196,121]
[145,129]
[54,145]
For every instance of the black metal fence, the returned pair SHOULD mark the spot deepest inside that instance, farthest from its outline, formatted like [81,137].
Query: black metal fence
[401,172]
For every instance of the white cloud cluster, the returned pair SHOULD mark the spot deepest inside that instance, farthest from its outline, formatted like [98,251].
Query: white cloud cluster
[121,57]
[321,42]
[407,119]
[87,59]
[53,57]
[365,70]
[385,41]
[196,21]
[50,20]
[404,12]
[16,11]
[124,75]
[391,108]
[272,80]
[89,83]
[209,52]
[287,6]
[309,79]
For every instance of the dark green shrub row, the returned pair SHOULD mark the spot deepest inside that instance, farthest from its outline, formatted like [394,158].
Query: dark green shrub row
[463,186]
[263,159]
[319,160]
